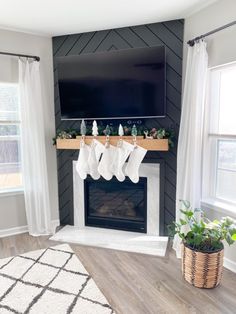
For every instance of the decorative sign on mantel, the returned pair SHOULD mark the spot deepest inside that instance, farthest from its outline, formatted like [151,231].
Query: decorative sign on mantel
[149,144]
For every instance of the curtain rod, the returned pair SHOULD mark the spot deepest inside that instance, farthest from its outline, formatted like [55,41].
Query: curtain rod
[192,41]
[19,55]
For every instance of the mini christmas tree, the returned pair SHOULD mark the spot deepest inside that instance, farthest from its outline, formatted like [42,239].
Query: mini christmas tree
[107,130]
[95,128]
[83,128]
[121,130]
[134,131]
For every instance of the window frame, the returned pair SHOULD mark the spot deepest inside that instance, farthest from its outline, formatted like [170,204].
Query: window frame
[211,148]
[15,190]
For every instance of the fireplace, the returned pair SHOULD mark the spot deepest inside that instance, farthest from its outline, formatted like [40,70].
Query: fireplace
[102,207]
[116,205]
[96,202]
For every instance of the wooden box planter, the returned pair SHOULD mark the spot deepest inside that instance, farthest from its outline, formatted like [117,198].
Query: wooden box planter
[202,270]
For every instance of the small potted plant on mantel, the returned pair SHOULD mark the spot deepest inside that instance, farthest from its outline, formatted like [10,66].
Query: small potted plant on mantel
[202,245]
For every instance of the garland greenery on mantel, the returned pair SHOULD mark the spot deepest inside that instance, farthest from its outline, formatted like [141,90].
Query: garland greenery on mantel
[153,133]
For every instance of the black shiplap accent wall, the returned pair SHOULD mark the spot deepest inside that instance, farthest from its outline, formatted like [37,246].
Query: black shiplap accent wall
[169,34]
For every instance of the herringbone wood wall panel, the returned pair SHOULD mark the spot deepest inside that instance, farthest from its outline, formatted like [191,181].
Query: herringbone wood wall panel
[169,34]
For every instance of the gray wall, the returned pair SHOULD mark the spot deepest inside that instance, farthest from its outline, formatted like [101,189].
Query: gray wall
[169,34]
[12,207]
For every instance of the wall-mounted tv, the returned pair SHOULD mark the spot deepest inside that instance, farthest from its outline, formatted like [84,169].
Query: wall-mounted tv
[118,84]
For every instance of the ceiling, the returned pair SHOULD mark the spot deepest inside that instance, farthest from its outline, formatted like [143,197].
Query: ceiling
[60,17]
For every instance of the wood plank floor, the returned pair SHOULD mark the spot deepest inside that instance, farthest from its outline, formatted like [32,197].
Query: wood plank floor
[139,284]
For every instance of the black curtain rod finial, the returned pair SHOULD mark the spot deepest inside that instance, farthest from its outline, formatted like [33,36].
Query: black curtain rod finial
[191,43]
[36,58]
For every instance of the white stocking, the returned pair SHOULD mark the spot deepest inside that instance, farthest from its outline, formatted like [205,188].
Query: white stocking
[134,162]
[120,157]
[96,149]
[82,163]
[106,161]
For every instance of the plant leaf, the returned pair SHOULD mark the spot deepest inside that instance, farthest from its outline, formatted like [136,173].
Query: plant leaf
[183,222]
[229,239]
[186,204]
[233,237]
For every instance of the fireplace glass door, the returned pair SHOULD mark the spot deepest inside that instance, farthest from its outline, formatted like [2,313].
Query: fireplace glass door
[116,205]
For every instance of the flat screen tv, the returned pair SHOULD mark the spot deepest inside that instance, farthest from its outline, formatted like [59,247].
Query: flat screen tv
[118,84]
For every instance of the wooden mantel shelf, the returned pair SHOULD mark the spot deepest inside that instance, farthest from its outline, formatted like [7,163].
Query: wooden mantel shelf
[149,144]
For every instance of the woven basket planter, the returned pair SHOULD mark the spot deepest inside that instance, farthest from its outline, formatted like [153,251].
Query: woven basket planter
[202,270]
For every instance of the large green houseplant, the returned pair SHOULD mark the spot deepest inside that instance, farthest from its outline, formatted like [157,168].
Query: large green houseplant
[203,248]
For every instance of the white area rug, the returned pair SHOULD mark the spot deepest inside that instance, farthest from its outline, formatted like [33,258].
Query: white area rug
[51,281]
[114,239]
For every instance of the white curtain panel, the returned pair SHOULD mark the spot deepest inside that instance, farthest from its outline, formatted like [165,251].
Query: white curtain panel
[189,155]
[34,166]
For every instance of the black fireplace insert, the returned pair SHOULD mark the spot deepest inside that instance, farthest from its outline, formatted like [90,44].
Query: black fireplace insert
[116,205]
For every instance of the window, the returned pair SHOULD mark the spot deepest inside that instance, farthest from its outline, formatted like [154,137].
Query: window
[219,170]
[10,162]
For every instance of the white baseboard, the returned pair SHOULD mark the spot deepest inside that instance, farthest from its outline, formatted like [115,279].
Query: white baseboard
[229,264]
[13,231]
[23,229]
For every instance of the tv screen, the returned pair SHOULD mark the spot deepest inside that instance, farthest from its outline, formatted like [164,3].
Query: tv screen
[118,84]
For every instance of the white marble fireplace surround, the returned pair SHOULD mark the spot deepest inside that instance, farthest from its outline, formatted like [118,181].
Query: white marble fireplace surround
[149,170]
[150,243]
